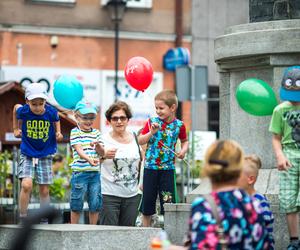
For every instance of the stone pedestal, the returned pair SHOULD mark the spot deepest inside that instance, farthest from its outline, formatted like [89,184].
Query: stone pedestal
[81,237]
[256,50]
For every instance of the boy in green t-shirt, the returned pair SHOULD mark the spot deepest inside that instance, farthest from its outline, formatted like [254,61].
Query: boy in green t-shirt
[285,126]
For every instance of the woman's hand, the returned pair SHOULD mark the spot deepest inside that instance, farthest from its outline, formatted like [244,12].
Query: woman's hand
[98,147]
[110,153]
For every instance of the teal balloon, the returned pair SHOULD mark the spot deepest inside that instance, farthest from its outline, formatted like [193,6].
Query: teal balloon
[67,91]
[256,97]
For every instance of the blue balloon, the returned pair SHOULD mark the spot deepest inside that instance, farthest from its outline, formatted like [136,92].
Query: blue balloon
[67,91]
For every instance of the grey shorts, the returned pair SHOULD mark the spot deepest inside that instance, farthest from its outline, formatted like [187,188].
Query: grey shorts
[36,168]
[119,211]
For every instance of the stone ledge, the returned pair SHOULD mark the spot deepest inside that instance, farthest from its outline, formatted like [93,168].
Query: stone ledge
[83,237]
[258,39]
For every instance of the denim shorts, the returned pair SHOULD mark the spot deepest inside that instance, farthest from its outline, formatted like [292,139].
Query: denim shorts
[38,168]
[86,183]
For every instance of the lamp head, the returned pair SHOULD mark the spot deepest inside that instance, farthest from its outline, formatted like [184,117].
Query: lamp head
[116,9]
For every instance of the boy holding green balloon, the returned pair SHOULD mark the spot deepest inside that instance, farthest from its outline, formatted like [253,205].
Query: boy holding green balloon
[285,126]
[40,128]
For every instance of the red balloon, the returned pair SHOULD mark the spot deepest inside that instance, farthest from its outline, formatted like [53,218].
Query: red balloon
[139,73]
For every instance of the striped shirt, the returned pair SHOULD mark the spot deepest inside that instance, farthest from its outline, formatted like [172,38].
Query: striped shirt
[84,139]
[267,214]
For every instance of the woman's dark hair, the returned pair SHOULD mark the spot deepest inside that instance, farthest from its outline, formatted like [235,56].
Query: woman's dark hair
[119,105]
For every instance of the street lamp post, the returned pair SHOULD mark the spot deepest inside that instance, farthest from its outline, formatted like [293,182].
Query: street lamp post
[116,9]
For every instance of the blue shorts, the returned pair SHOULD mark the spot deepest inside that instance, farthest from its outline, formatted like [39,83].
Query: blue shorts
[86,183]
[155,182]
[38,168]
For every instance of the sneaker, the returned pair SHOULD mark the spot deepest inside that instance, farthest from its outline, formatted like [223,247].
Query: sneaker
[44,221]
[294,245]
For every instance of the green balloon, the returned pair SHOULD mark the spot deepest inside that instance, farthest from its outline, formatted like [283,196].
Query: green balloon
[256,97]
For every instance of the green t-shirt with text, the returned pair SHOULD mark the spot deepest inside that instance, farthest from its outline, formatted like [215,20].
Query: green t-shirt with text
[285,119]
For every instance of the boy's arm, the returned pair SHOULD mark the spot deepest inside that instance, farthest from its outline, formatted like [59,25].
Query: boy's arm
[184,149]
[143,139]
[58,133]
[16,122]
[282,162]
[84,156]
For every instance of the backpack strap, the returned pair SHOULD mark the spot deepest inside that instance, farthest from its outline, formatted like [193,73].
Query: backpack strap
[215,213]
[141,157]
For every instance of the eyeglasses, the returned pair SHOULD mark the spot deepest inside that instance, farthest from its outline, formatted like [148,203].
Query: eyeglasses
[117,118]
[87,118]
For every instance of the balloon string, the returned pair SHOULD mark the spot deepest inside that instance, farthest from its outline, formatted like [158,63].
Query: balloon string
[66,111]
[174,153]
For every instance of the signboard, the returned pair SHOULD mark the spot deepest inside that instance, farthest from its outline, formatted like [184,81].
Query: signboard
[9,136]
[98,88]
[141,103]
[191,78]
[90,79]
[202,140]
[176,57]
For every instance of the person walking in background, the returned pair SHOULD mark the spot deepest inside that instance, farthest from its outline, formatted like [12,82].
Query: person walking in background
[161,134]
[247,180]
[227,218]
[37,123]
[87,148]
[120,169]
[58,162]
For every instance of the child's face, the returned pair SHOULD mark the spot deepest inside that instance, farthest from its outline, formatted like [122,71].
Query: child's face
[37,105]
[85,121]
[246,179]
[163,111]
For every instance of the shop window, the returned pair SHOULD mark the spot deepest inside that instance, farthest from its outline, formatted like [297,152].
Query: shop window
[213,109]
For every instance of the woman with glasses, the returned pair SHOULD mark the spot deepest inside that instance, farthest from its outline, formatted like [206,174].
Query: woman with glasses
[120,169]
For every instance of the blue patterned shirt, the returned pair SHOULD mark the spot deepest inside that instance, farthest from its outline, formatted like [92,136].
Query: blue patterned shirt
[159,153]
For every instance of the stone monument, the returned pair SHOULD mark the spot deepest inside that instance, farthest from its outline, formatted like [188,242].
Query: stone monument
[262,49]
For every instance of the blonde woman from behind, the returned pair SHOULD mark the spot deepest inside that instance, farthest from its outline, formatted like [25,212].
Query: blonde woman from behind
[240,218]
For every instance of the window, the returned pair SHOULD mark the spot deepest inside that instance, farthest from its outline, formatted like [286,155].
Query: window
[141,4]
[57,2]
[213,109]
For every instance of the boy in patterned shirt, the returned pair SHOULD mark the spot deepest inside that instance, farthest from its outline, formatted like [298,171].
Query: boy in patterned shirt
[161,134]
[87,147]
[247,180]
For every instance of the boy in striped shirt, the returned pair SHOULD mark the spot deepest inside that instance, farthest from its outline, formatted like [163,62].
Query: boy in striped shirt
[252,164]
[87,148]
